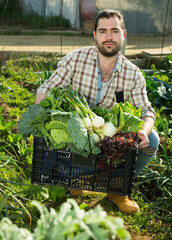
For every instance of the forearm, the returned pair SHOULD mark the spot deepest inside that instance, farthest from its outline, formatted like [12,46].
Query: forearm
[147,125]
[39,97]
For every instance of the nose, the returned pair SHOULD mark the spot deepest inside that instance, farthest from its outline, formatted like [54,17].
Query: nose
[109,35]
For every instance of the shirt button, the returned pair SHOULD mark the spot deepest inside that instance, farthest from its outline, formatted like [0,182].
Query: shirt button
[98,89]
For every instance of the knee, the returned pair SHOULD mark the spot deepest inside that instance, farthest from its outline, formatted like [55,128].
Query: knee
[154,140]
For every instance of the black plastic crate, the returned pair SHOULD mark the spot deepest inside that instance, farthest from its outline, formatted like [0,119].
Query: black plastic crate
[96,173]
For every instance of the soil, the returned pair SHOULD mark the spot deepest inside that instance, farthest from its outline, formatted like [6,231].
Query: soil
[136,44]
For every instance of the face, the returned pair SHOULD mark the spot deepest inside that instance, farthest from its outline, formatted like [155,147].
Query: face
[109,36]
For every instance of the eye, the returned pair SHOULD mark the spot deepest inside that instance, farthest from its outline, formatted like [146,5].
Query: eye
[102,31]
[115,30]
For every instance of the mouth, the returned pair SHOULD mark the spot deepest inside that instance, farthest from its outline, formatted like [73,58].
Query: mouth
[109,44]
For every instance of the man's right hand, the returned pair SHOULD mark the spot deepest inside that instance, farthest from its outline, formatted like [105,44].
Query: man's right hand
[39,97]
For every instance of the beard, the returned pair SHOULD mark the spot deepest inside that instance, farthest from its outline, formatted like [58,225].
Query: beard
[111,51]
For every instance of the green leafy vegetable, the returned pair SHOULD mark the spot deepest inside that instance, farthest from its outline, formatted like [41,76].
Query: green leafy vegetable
[124,116]
[10,231]
[81,129]
[38,122]
[159,93]
[56,124]
[71,222]
[35,116]
[81,137]
[129,117]
[61,137]
[78,133]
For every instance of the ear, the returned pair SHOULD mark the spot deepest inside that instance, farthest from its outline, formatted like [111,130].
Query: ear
[125,34]
[94,35]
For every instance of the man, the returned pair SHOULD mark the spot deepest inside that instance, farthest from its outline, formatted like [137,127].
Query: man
[101,72]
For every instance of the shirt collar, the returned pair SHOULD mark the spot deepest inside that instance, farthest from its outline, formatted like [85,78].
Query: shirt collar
[119,63]
[95,53]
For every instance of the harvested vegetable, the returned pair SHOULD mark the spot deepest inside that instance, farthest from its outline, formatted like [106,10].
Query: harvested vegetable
[65,120]
[93,122]
[95,138]
[109,129]
[114,147]
[98,122]
[124,116]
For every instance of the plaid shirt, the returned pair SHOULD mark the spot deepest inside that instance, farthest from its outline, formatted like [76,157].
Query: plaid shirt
[80,70]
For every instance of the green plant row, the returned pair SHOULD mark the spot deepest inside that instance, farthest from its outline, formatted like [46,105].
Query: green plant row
[70,222]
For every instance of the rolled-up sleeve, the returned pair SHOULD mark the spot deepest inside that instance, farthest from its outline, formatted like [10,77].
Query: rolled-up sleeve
[139,96]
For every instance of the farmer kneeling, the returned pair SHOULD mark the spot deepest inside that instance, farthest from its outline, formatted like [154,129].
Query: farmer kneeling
[100,72]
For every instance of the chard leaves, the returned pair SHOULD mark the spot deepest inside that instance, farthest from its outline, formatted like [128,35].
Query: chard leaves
[124,116]
[132,123]
[128,117]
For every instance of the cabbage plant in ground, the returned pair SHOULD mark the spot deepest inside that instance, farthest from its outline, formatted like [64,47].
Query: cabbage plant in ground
[70,222]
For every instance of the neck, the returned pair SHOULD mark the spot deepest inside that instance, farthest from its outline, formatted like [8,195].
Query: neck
[107,61]
[107,65]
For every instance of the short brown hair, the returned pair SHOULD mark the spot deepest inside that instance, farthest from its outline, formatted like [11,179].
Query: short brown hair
[108,13]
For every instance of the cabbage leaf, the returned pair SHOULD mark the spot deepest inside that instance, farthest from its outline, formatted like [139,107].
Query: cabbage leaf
[32,121]
[81,137]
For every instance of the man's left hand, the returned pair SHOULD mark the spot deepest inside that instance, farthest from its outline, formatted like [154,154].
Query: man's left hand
[144,139]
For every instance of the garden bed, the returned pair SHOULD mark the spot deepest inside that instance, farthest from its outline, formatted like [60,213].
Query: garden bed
[151,190]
